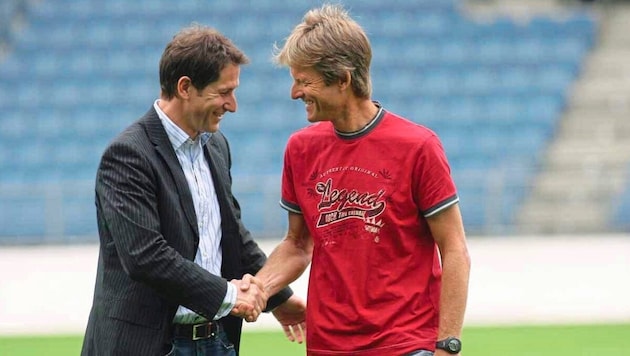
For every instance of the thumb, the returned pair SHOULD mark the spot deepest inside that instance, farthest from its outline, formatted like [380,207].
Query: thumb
[246,281]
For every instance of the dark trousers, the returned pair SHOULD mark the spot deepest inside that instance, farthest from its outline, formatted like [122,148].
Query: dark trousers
[215,345]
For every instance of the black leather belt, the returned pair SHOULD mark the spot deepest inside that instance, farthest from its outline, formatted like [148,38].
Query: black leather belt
[196,331]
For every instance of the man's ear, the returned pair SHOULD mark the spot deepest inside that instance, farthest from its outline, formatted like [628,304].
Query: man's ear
[345,81]
[184,85]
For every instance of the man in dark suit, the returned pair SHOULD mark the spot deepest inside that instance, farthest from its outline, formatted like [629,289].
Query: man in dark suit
[175,262]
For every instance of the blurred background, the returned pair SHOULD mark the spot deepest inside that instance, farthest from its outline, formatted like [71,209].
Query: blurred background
[530,98]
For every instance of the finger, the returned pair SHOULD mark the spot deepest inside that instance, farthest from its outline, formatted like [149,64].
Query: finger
[260,304]
[300,332]
[288,332]
[246,306]
[242,308]
[252,317]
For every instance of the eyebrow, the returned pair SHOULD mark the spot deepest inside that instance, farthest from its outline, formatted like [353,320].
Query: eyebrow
[226,88]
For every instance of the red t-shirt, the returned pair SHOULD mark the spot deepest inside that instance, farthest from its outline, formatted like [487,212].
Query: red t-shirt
[375,275]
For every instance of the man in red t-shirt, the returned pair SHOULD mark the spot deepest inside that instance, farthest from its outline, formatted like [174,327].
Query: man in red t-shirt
[371,205]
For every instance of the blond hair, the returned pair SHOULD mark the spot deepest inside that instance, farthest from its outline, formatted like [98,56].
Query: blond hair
[332,43]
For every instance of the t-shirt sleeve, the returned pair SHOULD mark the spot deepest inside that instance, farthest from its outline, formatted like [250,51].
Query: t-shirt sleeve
[435,189]
[288,200]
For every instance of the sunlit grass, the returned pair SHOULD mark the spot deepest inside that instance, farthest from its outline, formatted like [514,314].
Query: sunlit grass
[575,340]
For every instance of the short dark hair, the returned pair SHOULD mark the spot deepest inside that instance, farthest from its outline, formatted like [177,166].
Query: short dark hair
[200,53]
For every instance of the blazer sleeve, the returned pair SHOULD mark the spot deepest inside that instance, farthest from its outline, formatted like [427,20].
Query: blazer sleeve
[127,192]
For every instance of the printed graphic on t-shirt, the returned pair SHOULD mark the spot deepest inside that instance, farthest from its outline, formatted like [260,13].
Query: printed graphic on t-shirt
[337,203]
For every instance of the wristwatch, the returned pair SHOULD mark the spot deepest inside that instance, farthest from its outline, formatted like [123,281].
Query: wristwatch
[452,345]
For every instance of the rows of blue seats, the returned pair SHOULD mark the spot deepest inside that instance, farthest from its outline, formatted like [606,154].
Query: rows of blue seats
[66,137]
[506,112]
[81,71]
[88,9]
[426,70]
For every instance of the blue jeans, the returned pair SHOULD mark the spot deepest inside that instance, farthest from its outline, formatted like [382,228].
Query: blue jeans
[218,345]
[420,353]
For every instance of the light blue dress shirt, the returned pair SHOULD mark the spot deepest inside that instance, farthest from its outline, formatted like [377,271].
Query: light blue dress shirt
[197,171]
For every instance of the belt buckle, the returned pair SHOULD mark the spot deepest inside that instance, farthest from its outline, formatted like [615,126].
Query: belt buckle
[194,332]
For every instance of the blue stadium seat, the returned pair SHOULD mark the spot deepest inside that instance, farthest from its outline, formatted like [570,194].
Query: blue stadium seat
[502,109]
[568,51]
[503,27]
[516,80]
[582,25]
[543,110]
[492,51]
[478,81]
[529,50]
[544,26]
[13,125]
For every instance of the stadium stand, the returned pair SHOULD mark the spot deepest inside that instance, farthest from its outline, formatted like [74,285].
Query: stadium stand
[80,71]
[621,212]
[584,171]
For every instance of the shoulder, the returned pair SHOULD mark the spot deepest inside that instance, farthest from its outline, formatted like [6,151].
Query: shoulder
[403,129]
[316,130]
[219,138]
[133,144]
[398,121]
[219,142]
[134,136]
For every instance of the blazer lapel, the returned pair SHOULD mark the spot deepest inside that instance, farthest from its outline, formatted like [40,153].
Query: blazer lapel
[163,146]
[219,171]
[220,176]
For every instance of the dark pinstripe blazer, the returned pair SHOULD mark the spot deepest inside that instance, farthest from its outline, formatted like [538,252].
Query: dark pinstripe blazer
[148,240]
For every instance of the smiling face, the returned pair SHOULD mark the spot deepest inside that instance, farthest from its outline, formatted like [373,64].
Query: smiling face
[203,109]
[323,102]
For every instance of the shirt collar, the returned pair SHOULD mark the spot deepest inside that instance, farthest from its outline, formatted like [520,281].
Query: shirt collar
[376,119]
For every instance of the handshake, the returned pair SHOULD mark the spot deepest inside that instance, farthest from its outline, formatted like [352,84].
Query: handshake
[251,298]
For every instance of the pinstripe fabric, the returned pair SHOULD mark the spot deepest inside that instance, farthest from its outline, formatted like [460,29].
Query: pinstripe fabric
[197,172]
[148,240]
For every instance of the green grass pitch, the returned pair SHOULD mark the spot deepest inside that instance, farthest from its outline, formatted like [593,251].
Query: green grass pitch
[582,340]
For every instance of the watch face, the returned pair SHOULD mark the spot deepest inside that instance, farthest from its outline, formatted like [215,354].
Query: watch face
[451,344]
[454,345]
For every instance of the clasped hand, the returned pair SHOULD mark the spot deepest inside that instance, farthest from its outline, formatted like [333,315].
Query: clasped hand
[251,298]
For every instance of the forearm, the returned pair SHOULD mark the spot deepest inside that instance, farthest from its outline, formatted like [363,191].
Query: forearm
[285,264]
[454,294]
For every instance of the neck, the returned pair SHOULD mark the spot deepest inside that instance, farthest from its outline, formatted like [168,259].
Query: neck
[356,116]
[174,110]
